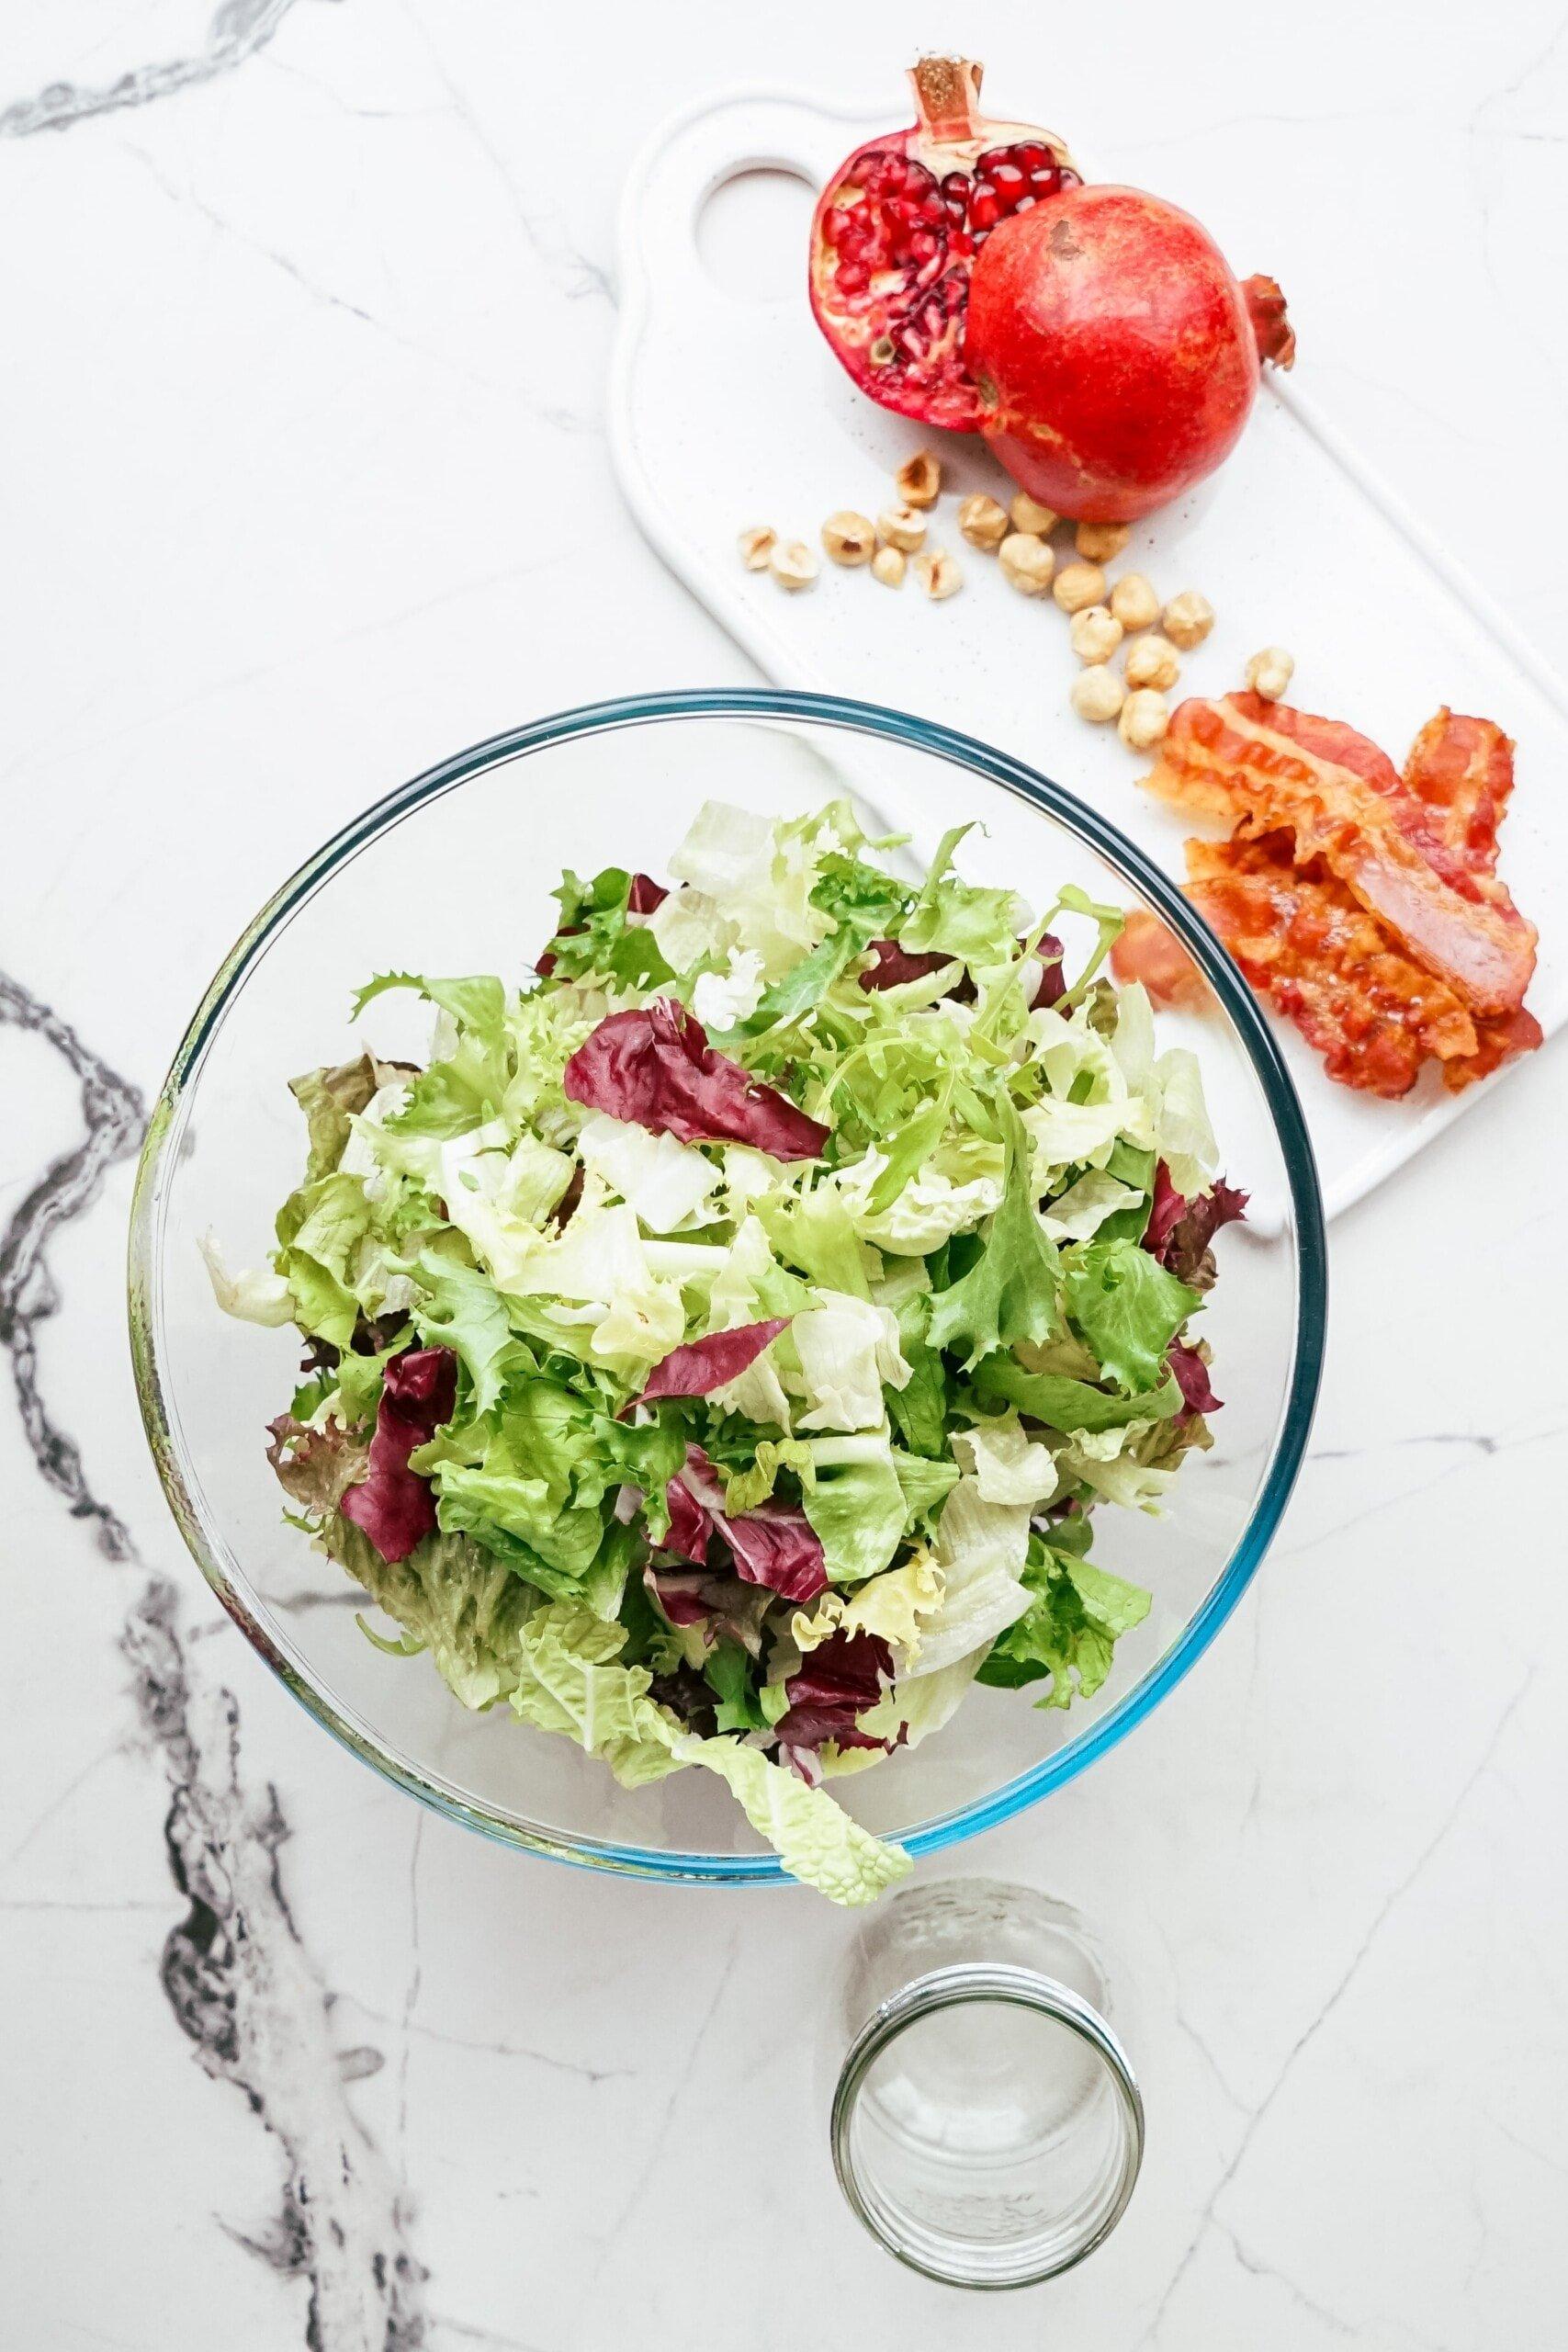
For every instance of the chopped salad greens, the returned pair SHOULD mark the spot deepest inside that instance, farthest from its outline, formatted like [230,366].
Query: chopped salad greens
[717,1350]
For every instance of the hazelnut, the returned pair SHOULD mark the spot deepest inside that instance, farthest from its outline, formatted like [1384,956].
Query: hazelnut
[1145,718]
[757,545]
[1151,661]
[938,574]
[792,563]
[1027,562]
[983,522]
[1097,694]
[1077,586]
[1187,619]
[850,538]
[1098,542]
[1026,514]
[888,565]
[1095,633]
[1271,672]
[902,527]
[1134,602]
[918,479]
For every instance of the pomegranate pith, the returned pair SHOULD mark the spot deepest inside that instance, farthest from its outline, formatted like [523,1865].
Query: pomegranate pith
[1115,354]
[896,231]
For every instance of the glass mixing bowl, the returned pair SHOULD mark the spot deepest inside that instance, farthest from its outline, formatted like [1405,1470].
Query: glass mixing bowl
[453,873]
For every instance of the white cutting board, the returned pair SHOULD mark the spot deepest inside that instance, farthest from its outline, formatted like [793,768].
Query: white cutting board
[727,409]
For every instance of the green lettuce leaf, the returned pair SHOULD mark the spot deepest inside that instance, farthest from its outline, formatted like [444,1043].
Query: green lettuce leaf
[855,1504]
[962,918]
[320,1228]
[452,1600]
[1011,1293]
[918,1409]
[1127,1307]
[1062,1403]
[461,1308]
[1076,1616]
[328,1097]
[730,1676]
[594,937]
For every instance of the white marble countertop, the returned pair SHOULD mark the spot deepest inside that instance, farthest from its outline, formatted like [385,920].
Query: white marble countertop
[304,484]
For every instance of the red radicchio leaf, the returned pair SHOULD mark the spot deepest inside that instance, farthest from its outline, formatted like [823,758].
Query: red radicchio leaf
[771,1545]
[1179,1231]
[688,1698]
[690,1525]
[840,1681]
[714,1600]
[1192,1378]
[393,1505]
[1165,1210]
[896,965]
[681,1593]
[1053,985]
[778,1547]
[656,1068]
[705,1365]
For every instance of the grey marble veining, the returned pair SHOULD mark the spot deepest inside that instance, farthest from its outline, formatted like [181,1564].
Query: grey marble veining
[238,29]
[233,1968]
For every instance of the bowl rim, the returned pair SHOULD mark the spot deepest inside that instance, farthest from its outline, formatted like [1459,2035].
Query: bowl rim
[878,722]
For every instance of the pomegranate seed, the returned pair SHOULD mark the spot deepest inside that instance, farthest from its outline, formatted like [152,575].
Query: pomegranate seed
[1007,180]
[1030,154]
[984,211]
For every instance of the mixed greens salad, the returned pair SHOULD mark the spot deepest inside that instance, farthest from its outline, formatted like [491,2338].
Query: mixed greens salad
[717,1350]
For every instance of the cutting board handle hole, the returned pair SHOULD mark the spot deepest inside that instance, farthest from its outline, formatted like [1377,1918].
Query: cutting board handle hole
[751,232]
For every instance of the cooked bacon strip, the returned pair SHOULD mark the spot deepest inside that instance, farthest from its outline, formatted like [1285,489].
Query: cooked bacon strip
[1461,771]
[1150,952]
[1498,1041]
[1279,769]
[1301,940]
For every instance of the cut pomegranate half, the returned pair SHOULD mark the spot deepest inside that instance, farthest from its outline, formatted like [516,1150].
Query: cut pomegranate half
[898,228]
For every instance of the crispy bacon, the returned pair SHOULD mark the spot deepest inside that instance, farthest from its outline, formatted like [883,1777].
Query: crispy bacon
[1497,1042]
[1303,940]
[1279,770]
[1150,952]
[1461,772]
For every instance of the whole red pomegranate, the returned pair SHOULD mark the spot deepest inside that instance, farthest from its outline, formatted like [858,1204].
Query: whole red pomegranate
[896,231]
[1115,355]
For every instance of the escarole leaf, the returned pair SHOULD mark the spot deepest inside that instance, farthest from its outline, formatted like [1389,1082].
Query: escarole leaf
[573,1680]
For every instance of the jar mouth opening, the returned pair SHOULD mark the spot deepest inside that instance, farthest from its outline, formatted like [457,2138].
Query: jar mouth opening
[1044,2251]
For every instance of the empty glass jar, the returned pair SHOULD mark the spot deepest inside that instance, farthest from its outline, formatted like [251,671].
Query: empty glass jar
[986,2125]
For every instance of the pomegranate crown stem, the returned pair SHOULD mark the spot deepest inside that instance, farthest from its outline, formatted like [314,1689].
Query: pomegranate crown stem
[947,96]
